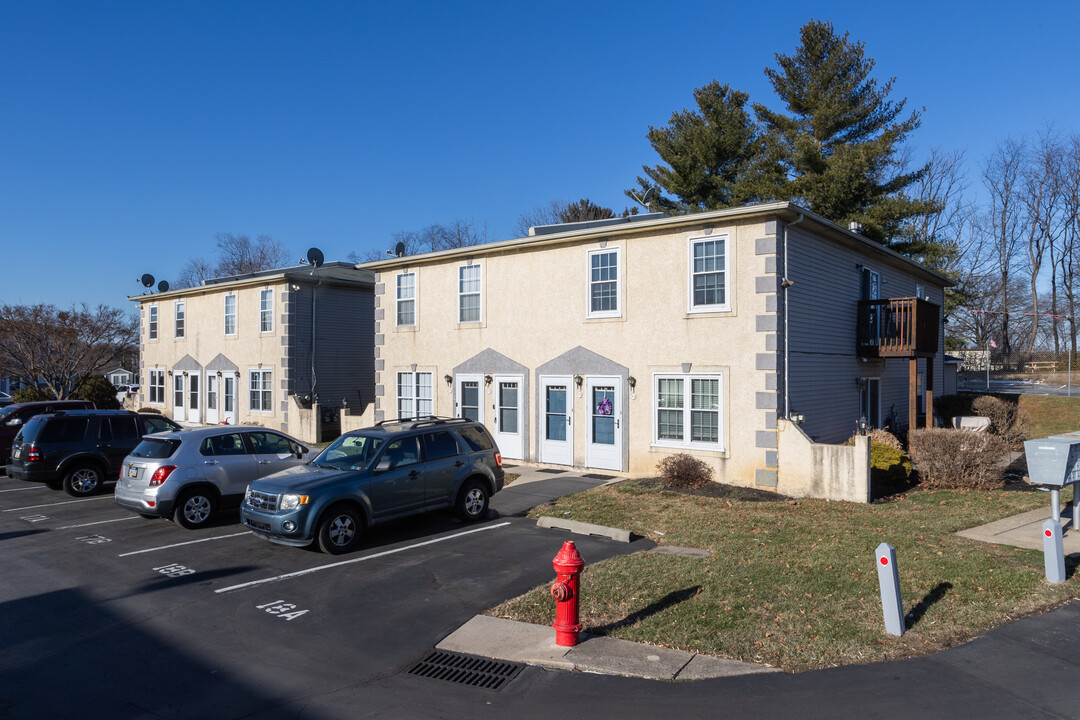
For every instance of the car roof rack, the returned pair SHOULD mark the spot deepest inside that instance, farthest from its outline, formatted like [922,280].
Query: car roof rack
[423,421]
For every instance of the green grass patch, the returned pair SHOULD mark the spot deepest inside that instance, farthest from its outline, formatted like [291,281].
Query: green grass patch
[794,584]
[1050,415]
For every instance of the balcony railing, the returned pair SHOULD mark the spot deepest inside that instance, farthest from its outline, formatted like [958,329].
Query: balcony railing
[898,327]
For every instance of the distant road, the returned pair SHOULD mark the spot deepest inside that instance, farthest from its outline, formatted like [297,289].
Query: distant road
[1024,387]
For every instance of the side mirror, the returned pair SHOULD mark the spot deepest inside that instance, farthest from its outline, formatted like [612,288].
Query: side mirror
[384,465]
[14,422]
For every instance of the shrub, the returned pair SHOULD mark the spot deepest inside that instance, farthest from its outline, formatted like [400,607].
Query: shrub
[148,410]
[890,466]
[1007,420]
[97,390]
[957,459]
[684,471]
[30,394]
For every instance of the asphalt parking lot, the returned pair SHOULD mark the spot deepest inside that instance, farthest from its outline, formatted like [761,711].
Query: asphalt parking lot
[107,614]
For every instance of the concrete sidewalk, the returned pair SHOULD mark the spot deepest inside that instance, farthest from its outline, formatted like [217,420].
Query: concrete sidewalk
[1025,531]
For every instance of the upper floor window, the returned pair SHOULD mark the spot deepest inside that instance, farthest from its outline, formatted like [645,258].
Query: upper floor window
[469,293]
[178,312]
[230,314]
[708,274]
[151,323]
[406,299]
[604,283]
[266,310]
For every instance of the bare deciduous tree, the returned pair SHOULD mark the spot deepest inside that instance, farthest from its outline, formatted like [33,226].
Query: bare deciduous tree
[236,255]
[52,349]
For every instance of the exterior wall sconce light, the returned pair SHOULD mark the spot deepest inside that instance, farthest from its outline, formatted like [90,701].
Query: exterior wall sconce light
[578,380]
[449,380]
[219,374]
[863,425]
[632,382]
[487,379]
[185,373]
[860,382]
[170,373]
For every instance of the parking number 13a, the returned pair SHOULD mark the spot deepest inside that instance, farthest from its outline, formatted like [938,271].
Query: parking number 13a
[282,609]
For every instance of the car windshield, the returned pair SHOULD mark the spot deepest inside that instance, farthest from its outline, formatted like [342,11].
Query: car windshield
[350,452]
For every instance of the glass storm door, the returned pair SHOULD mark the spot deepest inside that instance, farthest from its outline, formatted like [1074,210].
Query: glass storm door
[470,397]
[603,448]
[211,399]
[557,434]
[193,398]
[508,416]
[228,400]
[178,412]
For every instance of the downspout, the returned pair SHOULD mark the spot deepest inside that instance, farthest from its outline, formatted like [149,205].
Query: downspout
[314,298]
[786,285]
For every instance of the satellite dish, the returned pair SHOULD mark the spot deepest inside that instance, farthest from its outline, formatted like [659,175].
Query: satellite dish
[648,195]
[315,257]
[163,286]
[399,249]
[147,280]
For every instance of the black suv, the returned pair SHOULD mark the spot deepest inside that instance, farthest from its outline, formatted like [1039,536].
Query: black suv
[80,449]
[397,468]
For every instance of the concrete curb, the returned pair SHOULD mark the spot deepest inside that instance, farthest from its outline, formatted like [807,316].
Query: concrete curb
[583,528]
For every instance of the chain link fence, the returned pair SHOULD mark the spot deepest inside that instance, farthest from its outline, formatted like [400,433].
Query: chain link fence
[1036,373]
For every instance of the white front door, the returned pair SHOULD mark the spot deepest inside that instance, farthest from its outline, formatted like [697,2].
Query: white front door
[228,400]
[557,432]
[194,388]
[469,398]
[179,414]
[211,399]
[508,416]
[603,448]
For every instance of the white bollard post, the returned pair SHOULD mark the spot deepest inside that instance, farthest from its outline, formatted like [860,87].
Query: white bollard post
[1053,551]
[889,580]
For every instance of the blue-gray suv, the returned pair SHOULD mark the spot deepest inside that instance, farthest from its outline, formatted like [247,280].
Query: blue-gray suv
[394,469]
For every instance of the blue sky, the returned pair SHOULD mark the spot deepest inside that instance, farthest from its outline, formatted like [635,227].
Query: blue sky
[132,132]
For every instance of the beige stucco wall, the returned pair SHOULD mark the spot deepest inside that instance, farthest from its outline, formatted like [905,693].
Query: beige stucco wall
[205,338]
[809,469]
[534,309]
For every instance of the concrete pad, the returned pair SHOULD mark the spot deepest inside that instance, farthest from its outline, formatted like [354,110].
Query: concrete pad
[507,640]
[622,657]
[584,528]
[702,667]
[1024,531]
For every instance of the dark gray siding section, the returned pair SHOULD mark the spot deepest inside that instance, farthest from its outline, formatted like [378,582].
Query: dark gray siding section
[343,342]
[823,366]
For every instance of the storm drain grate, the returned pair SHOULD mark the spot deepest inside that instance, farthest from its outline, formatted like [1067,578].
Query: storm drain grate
[467,669]
[551,471]
[598,476]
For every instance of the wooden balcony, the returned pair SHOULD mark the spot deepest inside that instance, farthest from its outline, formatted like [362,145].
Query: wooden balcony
[898,328]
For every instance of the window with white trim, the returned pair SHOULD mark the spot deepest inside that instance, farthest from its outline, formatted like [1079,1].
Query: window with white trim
[157,387]
[260,392]
[414,394]
[687,411]
[469,293]
[151,322]
[178,317]
[266,311]
[604,282]
[406,299]
[708,265]
[230,314]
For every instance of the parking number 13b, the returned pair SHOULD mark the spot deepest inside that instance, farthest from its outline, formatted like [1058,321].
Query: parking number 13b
[282,609]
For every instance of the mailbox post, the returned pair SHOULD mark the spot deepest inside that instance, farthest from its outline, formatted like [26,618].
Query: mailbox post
[1055,463]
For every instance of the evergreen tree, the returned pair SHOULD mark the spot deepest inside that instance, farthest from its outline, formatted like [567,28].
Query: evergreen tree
[715,155]
[841,139]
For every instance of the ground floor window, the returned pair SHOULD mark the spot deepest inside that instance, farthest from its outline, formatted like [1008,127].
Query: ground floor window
[414,394]
[259,387]
[157,387]
[687,410]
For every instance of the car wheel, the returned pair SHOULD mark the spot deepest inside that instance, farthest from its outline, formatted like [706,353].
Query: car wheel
[472,503]
[194,509]
[83,480]
[340,530]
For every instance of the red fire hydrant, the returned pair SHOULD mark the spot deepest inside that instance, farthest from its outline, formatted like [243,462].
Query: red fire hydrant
[568,565]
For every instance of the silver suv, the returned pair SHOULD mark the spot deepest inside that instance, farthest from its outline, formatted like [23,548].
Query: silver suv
[189,475]
[396,468]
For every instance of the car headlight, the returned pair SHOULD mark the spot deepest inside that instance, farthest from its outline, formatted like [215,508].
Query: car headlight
[291,502]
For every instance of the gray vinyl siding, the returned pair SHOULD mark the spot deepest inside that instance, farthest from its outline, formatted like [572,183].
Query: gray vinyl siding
[344,361]
[823,366]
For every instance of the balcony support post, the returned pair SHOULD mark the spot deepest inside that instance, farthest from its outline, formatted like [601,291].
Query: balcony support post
[929,392]
[913,376]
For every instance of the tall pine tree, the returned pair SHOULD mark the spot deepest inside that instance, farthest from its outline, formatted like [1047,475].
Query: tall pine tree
[841,140]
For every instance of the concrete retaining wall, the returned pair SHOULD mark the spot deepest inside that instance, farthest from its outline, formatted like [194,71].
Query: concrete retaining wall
[818,470]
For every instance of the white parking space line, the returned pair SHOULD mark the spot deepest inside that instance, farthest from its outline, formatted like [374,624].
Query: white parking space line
[99,522]
[189,542]
[31,487]
[67,502]
[298,573]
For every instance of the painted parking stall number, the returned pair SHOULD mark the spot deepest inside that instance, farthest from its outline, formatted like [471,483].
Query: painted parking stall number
[94,539]
[173,570]
[282,609]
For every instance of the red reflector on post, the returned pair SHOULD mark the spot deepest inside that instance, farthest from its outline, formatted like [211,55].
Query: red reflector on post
[1048,533]
[884,561]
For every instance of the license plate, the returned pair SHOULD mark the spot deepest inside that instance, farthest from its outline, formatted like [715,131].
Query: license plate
[133,471]
[16,453]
